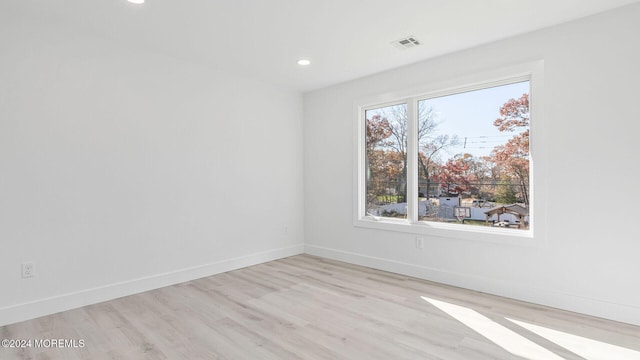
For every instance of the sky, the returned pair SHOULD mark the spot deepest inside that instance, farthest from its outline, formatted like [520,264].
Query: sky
[471,114]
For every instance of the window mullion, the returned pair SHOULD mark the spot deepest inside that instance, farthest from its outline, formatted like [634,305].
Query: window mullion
[412,161]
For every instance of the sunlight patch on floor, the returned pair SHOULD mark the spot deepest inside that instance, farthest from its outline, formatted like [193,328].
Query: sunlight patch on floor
[498,334]
[584,347]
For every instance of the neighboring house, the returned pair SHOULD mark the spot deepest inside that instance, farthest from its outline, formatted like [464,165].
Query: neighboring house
[451,200]
[519,212]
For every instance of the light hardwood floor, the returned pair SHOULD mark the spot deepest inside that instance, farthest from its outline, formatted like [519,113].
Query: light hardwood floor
[304,307]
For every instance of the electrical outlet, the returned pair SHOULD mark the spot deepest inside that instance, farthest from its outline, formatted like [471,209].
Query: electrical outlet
[419,242]
[28,270]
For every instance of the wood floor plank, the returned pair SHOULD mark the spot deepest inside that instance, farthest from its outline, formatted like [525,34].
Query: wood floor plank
[306,307]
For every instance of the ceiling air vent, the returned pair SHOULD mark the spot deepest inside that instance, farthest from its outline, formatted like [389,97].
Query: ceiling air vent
[406,43]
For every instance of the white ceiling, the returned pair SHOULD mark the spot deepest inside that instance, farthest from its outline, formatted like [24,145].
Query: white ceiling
[346,39]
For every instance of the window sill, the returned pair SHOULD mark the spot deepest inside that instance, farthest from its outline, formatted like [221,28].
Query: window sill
[515,237]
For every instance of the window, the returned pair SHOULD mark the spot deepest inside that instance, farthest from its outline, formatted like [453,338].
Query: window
[457,160]
[386,160]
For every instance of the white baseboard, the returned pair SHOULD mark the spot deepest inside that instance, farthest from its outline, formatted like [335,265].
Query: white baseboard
[594,307]
[54,304]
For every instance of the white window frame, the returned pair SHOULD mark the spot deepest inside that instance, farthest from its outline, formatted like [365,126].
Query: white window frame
[535,236]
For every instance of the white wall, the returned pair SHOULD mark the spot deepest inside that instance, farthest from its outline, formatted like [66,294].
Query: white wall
[122,170]
[590,264]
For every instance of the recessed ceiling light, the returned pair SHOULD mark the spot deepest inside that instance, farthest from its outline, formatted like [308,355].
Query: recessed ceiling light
[304,62]
[136,1]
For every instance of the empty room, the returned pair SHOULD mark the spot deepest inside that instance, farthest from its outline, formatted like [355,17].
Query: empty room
[295,179]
